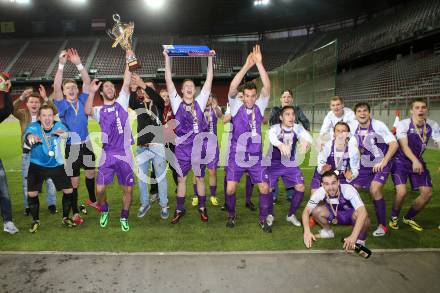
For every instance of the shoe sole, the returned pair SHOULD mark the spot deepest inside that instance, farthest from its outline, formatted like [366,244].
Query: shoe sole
[144,213]
[418,229]
[103,225]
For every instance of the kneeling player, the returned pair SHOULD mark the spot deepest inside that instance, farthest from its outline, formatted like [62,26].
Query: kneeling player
[332,204]
[413,135]
[284,137]
[47,162]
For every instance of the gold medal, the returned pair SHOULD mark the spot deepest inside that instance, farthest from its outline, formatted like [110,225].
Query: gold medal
[335,221]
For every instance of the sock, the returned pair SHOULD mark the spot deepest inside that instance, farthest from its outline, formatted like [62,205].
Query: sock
[362,235]
[248,191]
[67,204]
[295,202]
[104,207]
[381,210]
[34,206]
[75,201]
[230,204]
[270,211]
[395,212]
[290,192]
[213,190]
[180,203]
[90,184]
[411,214]
[202,200]
[264,203]
[195,189]
[124,214]
[225,184]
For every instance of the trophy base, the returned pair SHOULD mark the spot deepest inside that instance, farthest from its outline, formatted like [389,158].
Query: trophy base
[133,64]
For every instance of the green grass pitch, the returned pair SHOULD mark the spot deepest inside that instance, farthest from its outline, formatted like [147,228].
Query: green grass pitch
[154,234]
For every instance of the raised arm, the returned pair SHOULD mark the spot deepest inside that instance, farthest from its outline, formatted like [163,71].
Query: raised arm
[233,88]
[258,59]
[127,76]
[17,103]
[209,76]
[58,80]
[94,86]
[75,59]
[168,76]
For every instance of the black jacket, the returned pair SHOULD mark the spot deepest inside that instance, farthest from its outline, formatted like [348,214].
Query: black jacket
[7,106]
[144,119]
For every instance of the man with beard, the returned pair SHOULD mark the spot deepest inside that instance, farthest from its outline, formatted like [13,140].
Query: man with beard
[117,140]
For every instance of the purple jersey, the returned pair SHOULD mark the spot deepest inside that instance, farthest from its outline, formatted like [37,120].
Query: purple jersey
[418,138]
[115,125]
[211,120]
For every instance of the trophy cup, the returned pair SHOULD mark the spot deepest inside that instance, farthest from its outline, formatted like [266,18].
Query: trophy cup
[122,34]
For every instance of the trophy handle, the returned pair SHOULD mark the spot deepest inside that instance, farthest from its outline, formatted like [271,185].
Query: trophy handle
[116,17]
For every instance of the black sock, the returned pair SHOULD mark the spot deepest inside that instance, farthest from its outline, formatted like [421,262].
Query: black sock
[67,204]
[75,201]
[34,206]
[90,184]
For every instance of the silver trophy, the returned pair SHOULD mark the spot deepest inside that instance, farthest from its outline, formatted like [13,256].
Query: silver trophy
[122,34]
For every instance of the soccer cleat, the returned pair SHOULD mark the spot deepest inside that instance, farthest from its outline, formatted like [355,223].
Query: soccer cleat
[68,222]
[380,231]
[94,205]
[164,214]
[394,223]
[34,226]
[270,219]
[292,219]
[177,216]
[266,227]
[214,200]
[103,219]
[413,224]
[326,234]
[203,214]
[143,209]
[27,212]
[250,205]
[124,224]
[195,201]
[10,228]
[52,209]
[77,219]
[231,222]
[83,209]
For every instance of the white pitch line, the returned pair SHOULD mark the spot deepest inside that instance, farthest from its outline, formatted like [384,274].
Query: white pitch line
[204,253]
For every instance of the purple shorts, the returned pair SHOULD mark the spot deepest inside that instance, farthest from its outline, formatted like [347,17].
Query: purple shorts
[112,166]
[291,176]
[316,180]
[214,163]
[400,175]
[257,173]
[366,176]
[186,162]
[344,217]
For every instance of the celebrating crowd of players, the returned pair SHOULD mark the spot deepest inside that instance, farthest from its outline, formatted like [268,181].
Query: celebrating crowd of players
[179,128]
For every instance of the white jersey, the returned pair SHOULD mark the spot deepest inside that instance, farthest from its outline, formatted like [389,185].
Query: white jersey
[330,121]
[353,156]
[301,133]
[348,192]
[378,127]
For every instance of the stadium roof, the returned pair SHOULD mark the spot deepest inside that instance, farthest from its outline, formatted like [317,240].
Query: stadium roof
[187,16]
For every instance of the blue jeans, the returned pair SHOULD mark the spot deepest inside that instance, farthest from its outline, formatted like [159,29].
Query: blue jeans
[50,187]
[5,201]
[154,154]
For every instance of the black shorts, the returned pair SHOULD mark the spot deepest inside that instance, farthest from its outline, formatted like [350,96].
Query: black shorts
[79,156]
[37,175]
